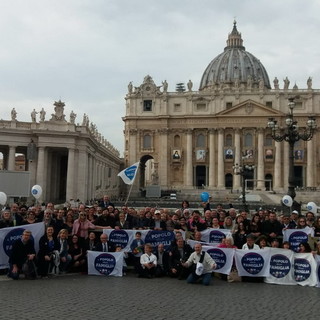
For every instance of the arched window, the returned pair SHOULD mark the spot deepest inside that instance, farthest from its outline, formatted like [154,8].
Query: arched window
[228,140]
[200,141]
[147,141]
[248,140]
[177,141]
[268,140]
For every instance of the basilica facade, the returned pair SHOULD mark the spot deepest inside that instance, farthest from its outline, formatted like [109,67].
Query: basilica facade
[191,139]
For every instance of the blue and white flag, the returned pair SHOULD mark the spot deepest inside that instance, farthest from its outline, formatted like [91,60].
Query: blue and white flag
[281,267]
[305,268]
[317,258]
[105,263]
[253,263]
[129,174]
[296,236]
[123,238]
[223,257]
[211,235]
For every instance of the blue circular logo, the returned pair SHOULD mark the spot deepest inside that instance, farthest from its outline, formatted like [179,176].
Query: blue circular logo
[10,238]
[252,262]
[105,263]
[216,236]
[155,237]
[296,238]
[34,191]
[218,256]
[302,269]
[280,265]
[119,238]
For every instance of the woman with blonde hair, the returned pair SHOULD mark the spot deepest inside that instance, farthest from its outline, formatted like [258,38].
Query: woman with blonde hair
[63,247]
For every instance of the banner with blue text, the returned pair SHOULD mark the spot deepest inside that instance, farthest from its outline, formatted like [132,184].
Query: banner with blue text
[105,263]
[9,235]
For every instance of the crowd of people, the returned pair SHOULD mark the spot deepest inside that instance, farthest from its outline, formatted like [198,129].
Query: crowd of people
[71,232]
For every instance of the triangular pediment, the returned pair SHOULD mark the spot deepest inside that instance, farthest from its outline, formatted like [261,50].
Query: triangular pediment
[250,108]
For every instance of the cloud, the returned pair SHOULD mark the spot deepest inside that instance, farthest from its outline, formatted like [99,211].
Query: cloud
[86,52]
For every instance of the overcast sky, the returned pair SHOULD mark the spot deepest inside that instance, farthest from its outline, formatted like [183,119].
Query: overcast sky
[85,52]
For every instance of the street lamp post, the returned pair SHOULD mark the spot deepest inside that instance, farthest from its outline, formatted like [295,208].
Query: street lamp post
[243,171]
[291,134]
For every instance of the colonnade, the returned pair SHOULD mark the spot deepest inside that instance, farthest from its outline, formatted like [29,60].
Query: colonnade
[87,172]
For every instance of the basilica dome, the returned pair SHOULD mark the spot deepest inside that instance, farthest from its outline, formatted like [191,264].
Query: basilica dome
[235,65]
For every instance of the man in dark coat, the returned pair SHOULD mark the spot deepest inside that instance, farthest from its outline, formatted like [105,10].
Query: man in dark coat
[162,267]
[22,251]
[179,254]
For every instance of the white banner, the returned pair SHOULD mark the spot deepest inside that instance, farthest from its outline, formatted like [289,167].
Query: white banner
[317,258]
[121,238]
[9,235]
[191,243]
[253,263]
[305,267]
[223,258]
[215,235]
[105,263]
[296,236]
[124,238]
[281,267]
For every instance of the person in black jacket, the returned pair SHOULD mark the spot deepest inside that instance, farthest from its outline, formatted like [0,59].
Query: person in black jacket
[157,223]
[22,251]
[162,267]
[179,254]
[6,220]
[106,220]
[47,245]
[104,245]
[272,228]
[105,202]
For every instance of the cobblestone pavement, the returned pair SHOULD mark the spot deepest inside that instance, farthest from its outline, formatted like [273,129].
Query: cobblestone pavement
[92,297]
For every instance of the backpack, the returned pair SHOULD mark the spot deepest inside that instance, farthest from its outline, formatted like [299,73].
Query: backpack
[29,270]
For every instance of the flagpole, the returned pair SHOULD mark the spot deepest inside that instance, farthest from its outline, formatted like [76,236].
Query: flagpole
[131,187]
[128,195]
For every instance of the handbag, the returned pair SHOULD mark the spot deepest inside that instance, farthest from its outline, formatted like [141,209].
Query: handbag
[197,268]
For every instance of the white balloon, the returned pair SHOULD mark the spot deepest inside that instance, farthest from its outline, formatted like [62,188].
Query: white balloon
[312,207]
[3,198]
[287,201]
[36,191]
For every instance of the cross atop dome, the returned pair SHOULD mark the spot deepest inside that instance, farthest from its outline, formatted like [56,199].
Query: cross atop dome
[234,38]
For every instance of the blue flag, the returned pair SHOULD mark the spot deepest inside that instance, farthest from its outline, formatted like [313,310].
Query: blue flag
[128,175]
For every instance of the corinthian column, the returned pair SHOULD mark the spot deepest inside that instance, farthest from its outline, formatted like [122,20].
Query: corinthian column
[212,158]
[311,168]
[277,184]
[221,184]
[12,158]
[286,166]
[82,175]
[163,163]
[260,176]
[237,159]
[188,169]
[70,175]
[41,170]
